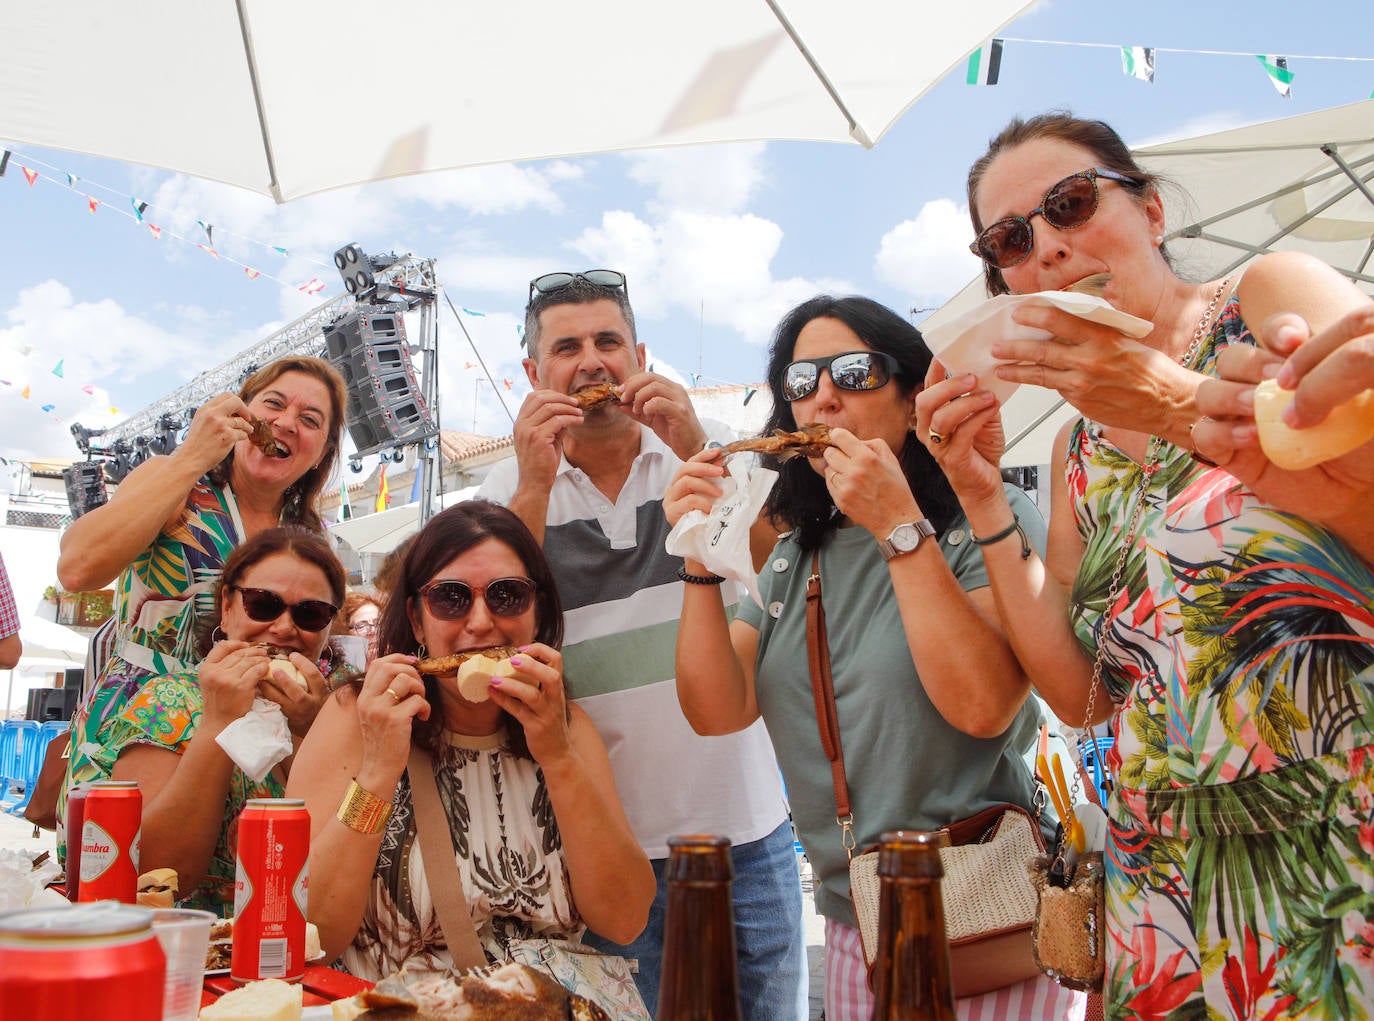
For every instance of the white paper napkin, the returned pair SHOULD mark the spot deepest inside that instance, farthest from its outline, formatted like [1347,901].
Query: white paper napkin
[720,539]
[258,740]
[964,344]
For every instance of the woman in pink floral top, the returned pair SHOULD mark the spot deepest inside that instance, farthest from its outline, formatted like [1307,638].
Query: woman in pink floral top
[1236,638]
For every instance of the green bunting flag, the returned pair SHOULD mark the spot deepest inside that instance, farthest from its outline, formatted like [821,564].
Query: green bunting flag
[1138,62]
[1279,75]
[984,64]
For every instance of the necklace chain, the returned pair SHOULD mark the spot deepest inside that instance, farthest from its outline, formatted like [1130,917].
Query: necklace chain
[1147,470]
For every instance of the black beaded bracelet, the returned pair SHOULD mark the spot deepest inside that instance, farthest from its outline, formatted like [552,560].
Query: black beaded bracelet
[699,579]
[1015,526]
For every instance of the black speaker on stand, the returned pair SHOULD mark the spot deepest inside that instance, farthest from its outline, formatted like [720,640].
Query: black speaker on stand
[385,406]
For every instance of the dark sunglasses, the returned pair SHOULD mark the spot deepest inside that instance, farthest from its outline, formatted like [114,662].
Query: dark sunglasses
[551,282]
[851,370]
[263,605]
[1069,204]
[505,597]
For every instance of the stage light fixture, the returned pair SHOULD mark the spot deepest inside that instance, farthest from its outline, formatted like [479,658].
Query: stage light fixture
[355,268]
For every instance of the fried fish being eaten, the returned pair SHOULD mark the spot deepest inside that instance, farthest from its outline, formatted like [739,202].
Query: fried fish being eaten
[598,395]
[442,666]
[262,438]
[808,441]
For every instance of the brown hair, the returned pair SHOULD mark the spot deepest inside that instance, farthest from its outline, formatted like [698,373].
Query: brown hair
[1098,137]
[301,543]
[301,495]
[449,533]
[353,602]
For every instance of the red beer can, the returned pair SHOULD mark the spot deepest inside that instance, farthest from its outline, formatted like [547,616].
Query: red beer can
[110,836]
[87,960]
[76,816]
[271,876]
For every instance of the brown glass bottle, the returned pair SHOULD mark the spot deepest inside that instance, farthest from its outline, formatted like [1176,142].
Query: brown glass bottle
[700,976]
[911,971]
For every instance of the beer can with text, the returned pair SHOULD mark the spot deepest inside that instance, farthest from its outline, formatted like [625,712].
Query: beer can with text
[110,834]
[271,877]
[88,960]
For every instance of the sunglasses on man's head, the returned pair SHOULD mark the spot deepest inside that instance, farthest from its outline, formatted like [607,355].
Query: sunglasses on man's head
[852,370]
[1069,204]
[550,282]
[264,605]
[452,600]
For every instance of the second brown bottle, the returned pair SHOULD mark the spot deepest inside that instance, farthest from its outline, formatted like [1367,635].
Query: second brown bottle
[700,977]
[911,971]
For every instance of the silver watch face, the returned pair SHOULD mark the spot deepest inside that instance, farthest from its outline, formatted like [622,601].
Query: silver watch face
[904,538]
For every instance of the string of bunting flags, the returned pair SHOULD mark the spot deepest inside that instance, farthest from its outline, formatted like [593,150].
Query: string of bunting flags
[985,63]
[138,210]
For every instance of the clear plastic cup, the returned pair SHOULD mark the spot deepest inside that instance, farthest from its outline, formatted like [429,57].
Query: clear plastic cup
[184,934]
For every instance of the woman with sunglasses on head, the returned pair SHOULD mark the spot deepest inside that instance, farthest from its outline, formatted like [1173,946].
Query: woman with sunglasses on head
[164,536]
[933,713]
[281,588]
[1225,638]
[541,841]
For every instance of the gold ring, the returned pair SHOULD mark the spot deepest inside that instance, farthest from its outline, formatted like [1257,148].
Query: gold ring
[936,437]
[394,697]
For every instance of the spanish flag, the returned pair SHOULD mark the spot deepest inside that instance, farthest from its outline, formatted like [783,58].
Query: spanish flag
[383,493]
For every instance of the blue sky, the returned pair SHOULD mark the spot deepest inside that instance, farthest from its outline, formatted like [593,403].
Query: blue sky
[717,241]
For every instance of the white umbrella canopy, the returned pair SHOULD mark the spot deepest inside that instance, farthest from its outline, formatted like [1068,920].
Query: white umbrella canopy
[47,641]
[297,97]
[1298,184]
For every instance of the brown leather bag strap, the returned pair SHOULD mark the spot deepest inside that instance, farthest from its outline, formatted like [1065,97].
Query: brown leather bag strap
[823,691]
[441,867]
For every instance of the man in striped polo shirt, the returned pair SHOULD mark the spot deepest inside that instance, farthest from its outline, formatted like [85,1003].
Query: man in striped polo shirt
[590,485]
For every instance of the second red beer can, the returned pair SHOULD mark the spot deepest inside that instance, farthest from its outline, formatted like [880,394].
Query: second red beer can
[110,834]
[92,960]
[271,876]
[76,817]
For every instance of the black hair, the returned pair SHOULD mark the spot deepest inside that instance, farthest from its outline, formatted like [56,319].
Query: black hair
[800,499]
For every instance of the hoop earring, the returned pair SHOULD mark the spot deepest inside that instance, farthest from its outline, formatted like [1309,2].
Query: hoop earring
[219,631]
[422,652]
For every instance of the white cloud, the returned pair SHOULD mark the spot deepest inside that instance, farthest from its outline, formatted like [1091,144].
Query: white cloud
[713,266]
[928,257]
[99,345]
[705,178]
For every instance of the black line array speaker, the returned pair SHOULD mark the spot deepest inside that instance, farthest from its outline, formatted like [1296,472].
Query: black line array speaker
[385,405]
[85,484]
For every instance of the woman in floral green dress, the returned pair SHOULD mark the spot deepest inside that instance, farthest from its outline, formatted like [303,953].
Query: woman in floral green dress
[1236,638]
[164,536]
[283,588]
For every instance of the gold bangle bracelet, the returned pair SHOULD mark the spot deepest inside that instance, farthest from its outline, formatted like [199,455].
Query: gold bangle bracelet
[362,811]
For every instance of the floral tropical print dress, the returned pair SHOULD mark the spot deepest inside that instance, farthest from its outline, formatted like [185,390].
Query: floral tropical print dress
[1241,853]
[160,599]
[164,713]
[510,861]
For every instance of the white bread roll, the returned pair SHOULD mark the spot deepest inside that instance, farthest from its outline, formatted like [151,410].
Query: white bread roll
[268,1000]
[284,668]
[347,1010]
[1346,427]
[313,951]
[157,888]
[474,676]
